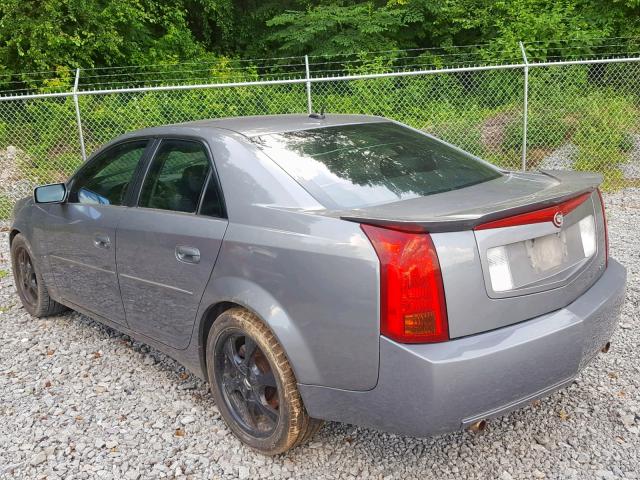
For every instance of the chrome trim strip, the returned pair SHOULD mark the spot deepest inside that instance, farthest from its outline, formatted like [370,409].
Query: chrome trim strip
[157,284]
[86,265]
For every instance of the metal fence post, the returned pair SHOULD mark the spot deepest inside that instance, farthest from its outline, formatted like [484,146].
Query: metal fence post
[525,111]
[78,120]
[308,77]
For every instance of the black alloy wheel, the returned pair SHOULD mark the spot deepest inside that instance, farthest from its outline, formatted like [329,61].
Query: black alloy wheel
[27,281]
[31,287]
[248,384]
[254,385]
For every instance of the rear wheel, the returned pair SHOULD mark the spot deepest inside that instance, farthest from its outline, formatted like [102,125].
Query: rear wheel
[254,386]
[29,282]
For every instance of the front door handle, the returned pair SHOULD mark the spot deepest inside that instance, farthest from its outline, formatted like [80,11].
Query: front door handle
[102,241]
[187,254]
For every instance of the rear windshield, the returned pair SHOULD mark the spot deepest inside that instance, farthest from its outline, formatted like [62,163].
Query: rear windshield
[352,166]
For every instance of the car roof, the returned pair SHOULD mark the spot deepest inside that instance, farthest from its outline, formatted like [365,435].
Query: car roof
[260,124]
[264,124]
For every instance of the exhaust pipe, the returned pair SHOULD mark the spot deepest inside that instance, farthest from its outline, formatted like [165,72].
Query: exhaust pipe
[478,426]
[606,347]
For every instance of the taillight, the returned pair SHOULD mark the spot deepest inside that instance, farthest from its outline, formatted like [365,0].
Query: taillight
[537,216]
[412,302]
[606,230]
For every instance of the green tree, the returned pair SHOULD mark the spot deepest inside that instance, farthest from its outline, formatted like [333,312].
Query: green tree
[338,26]
[331,29]
[44,34]
[65,34]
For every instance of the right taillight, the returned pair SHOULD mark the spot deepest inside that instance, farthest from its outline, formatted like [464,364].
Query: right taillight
[412,301]
[606,230]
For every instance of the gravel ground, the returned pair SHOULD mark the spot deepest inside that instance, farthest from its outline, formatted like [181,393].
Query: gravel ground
[563,158]
[79,400]
[631,169]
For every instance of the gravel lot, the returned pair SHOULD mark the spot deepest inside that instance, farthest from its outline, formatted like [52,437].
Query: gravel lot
[79,400]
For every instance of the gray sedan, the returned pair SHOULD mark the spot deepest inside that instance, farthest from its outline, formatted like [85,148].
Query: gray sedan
[346,268]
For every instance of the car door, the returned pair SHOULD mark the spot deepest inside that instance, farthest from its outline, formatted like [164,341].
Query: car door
[168,244]
[82,231]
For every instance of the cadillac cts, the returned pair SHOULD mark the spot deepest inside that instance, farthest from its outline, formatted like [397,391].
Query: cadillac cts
[344,268]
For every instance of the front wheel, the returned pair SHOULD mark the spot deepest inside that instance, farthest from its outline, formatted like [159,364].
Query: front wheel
[254,386]
[29,282]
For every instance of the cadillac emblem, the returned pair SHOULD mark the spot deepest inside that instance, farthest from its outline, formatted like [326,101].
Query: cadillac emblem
[558,219]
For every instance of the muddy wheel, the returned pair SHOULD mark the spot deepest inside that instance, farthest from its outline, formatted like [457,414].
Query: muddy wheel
[254,386]
[29,283]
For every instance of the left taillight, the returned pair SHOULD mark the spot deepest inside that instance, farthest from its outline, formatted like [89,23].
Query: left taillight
[412,301]
[606,229]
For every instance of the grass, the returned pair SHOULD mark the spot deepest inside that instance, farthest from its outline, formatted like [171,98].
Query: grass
[544,130]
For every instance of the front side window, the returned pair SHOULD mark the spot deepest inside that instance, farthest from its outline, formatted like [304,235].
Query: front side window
[107,177]
[351,166]
[176,177]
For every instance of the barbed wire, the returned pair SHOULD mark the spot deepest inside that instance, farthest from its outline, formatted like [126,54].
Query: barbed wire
[578,39]
[222,71]
[221,59]
[400,50]
[262,69]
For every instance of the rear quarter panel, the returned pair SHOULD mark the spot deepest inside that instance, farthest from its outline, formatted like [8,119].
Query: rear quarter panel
[313,279]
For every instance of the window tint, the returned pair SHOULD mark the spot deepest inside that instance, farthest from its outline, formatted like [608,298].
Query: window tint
[176,177]
[351,166]
[106,179]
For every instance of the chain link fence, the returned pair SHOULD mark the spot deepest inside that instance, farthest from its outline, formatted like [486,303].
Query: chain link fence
[475,110]
[581,115]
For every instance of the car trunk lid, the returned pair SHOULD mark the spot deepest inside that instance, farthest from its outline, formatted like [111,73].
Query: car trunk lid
[502,260]
[511,194]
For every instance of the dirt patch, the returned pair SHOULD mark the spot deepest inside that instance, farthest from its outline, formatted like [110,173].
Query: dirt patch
[536,156]
[494,131]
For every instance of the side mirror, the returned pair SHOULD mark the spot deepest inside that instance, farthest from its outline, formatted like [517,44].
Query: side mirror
[54,193]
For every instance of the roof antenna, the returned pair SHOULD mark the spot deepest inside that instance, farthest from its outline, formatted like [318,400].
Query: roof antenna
[318,116]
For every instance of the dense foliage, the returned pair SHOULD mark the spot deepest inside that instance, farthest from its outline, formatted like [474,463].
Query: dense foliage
[49,34]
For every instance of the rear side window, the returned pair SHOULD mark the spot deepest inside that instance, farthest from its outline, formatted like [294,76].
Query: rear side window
[106,179]
[350,166]
[212,200]
[176,177]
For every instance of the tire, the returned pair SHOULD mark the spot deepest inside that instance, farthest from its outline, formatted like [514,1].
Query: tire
[30,285]
[256,393]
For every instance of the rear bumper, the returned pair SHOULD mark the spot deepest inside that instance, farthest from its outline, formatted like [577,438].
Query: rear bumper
[429,389]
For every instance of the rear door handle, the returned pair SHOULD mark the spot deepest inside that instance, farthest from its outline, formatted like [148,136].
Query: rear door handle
[102,241]
[187,254]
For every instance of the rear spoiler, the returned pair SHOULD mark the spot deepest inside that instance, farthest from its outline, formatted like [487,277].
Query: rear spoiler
[570,185]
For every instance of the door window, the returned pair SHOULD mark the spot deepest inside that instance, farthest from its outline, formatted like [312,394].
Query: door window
[106,178]
[176,177]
